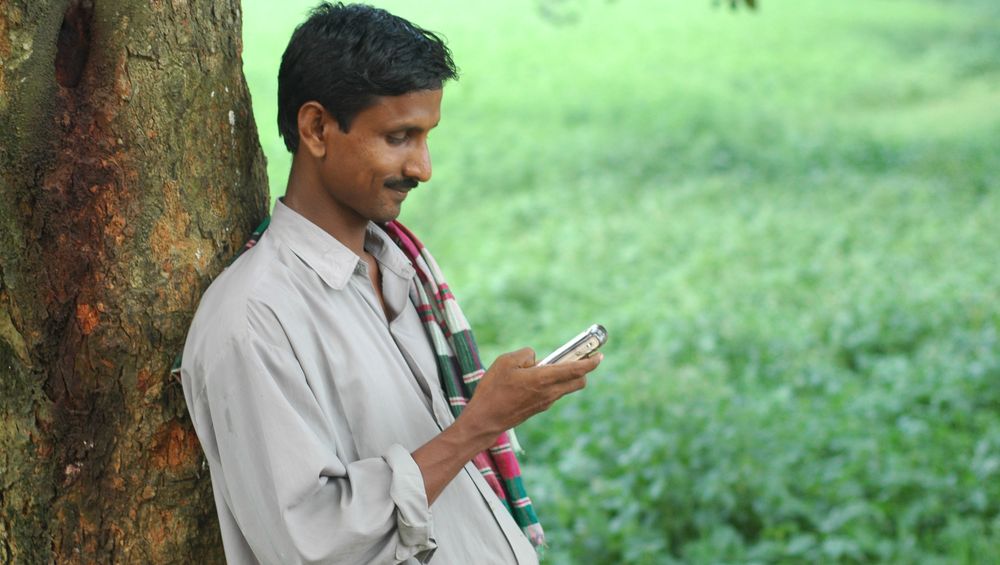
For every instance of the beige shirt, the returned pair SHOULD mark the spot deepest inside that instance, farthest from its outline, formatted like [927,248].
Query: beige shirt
[308,401]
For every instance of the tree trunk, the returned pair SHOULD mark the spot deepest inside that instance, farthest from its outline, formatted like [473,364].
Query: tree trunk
[130,172]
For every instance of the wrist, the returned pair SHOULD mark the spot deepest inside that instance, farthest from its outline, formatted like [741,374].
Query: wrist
[472,433]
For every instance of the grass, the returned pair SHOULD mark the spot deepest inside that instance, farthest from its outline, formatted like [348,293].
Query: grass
[786,219]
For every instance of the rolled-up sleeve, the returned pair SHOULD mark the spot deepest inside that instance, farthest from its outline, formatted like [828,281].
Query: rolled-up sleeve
[292,496]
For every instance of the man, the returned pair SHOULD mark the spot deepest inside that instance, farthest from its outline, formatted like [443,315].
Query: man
[310,380]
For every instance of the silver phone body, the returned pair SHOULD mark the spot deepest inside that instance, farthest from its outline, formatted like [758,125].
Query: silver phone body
[579,347]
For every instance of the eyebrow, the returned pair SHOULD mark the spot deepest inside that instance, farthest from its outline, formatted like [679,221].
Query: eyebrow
[408,126]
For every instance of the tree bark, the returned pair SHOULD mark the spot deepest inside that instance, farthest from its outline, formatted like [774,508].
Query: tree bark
[130,172]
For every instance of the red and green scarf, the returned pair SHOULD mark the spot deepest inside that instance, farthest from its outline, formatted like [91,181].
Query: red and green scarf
[460,369]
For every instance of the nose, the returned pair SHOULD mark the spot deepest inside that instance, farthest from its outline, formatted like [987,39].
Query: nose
[418,163]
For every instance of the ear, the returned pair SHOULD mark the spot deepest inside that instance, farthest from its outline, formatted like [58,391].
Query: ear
[314,125]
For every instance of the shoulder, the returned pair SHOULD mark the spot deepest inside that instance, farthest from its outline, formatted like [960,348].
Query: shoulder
[244,305]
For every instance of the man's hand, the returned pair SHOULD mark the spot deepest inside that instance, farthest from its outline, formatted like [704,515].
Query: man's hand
[512,390]
[515,389]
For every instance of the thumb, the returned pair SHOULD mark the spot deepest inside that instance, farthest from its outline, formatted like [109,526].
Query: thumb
[524,358]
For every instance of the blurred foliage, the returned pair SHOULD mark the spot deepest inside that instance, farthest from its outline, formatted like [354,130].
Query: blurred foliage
[561,12]
[788,225]
[752,4]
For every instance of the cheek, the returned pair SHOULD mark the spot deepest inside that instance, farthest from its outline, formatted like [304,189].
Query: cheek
[387,161]
[376,163]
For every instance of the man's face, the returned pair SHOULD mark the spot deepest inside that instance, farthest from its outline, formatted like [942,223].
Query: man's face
[368,171]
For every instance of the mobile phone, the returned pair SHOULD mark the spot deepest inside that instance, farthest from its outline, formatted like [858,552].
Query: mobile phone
[581,346]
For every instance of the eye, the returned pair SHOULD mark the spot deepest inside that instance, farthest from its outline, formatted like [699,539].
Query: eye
[396,138]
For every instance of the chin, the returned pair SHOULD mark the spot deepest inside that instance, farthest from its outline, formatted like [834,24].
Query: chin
[383,216]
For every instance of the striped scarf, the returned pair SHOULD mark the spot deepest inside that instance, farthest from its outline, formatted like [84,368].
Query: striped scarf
[460,369]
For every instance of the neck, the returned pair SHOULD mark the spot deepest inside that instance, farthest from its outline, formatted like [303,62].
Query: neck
[305,195]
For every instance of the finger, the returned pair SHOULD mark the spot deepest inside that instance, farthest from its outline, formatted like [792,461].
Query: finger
[591,363]
[514,359]
[568,387]
[569,370]
[574,385]
[554,375]
[524,357]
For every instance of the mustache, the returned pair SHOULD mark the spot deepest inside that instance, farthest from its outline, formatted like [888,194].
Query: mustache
[401,183]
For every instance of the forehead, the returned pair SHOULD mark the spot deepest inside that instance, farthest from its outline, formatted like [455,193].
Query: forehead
[419,109]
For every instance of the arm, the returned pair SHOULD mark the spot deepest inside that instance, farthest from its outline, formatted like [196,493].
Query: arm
[273,453]
[510,392]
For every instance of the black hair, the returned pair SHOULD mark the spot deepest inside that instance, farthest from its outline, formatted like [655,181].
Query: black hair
[344,57]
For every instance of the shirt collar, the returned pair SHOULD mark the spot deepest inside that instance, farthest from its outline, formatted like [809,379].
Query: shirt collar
[326,255]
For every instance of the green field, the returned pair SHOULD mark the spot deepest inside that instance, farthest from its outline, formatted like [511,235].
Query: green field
[787,219]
